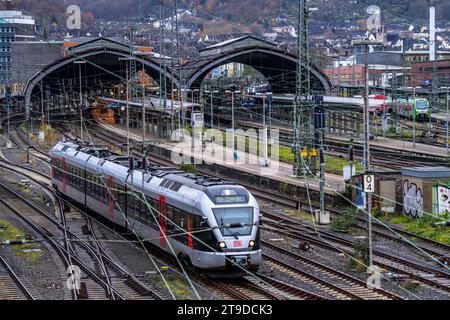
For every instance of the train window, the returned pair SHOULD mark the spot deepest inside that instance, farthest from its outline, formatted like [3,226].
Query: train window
[234,221]
[204,238]
[142,207]
[170,220]
[150,212]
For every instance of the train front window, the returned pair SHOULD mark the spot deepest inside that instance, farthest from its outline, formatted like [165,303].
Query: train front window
[421,105]
[234,221]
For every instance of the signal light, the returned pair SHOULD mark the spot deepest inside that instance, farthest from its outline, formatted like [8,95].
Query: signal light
[251,243]
[222,245]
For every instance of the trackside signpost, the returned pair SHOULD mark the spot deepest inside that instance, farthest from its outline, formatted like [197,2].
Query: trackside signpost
[369,183]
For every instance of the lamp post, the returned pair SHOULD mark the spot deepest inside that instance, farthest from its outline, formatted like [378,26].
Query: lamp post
[232,122]
[138,53]
[213,153]
[79,63]
[128,104]
[265,160]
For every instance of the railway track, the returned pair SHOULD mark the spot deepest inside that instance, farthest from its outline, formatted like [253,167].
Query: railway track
[11,286]
[97,282]
[342,286]
[432,247]
[409,264]
[433,277]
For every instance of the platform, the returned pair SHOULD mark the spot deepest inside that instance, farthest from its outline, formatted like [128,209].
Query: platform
[248,163]
[399,145]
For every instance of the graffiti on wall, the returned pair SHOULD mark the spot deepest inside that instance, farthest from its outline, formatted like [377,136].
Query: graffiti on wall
[412,200]
[443,200]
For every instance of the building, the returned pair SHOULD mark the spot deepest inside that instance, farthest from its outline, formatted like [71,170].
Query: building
[229,70]
[426,191]
[14,27]
[354,75]
[422,74]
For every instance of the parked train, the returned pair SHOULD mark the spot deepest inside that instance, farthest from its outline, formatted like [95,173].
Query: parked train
[210,224]
[418,109]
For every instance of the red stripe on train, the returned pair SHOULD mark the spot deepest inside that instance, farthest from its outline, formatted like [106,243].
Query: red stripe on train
[189,237]
[162,211]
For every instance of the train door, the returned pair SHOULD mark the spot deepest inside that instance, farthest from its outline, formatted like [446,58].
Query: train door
[162,213]
[111,198]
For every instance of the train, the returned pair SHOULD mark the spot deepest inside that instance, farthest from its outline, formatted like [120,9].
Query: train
[211,225]
[418,109]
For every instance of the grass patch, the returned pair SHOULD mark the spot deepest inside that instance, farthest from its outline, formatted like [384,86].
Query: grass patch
[188,167]
[301,215]
[180,289]
[423,227]
[51,136]
[9,232]
[411,285]
[361,257]
[344,223]
[333,164]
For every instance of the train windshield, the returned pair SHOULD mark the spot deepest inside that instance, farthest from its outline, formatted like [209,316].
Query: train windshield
[421,105]
[234,221]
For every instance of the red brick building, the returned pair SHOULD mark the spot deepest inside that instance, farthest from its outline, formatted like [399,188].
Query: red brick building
[353,75]
[422,73]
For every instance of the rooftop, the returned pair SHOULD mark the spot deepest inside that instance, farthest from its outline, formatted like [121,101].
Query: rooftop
[427,172]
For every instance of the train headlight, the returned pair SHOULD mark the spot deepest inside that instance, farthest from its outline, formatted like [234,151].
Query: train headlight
[222,245]
[251,243]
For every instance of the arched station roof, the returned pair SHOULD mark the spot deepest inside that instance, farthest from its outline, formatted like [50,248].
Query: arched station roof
[102,64]
[278,66]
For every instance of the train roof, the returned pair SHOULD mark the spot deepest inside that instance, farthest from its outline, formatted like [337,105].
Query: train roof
[99,158]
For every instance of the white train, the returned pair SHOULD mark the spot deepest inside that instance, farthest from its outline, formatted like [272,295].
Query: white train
[209,224]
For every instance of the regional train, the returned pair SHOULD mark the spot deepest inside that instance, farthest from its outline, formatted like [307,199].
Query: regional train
[418,109]
[212,225]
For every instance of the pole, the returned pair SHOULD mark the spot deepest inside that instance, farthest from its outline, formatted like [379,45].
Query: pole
[367,156]
[42,105]
[232,122]
[8,111]
[265,161]
[322,179]
[81,105]
[128,109]
[192,121]
[414,119]
[27,120]
[143,107]
[446,127]
[212,125]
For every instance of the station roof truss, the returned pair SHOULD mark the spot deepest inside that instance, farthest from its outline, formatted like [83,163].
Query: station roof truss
[278,66]
[102,64]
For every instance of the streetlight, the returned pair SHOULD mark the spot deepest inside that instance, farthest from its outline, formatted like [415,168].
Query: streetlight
[79,63]
[232,121]
[366,44]
[128,97]
[265,160]
[213,153]
[139,53]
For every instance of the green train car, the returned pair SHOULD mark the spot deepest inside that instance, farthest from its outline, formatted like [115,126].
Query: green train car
[418,109]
